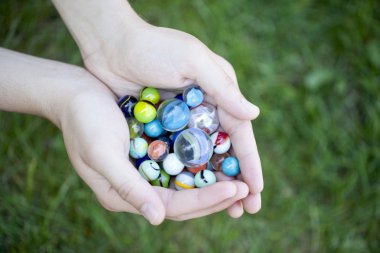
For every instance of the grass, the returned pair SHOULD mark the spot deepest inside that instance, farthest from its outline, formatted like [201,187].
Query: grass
[313,67]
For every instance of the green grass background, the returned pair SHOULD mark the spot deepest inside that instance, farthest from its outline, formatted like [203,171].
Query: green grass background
[313,67]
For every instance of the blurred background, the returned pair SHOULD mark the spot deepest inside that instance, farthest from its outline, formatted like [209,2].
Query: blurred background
[313,67]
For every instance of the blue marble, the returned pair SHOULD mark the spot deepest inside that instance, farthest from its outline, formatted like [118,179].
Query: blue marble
[154,129]
[230,166]
[173,114]
[193,96]
[127,104]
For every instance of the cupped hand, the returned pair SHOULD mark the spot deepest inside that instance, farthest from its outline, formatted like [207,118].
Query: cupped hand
[169,59]
[97,140]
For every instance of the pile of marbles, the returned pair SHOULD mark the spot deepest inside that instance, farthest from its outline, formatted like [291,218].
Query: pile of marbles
[175,142]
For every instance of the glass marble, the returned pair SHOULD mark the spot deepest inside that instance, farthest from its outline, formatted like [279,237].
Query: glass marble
[193,147]
[195,169]
[158,150]
[173,114]
[163,180]
[193,96]
[230,166]
[141,160]
[216,161]
[149,170]
[184,180]
[138,148]
[221,142]
[154,129]
[135,127]
[127,104]
[172,165]
[150,94]
[174,135]
[204,117]
[144,112]
[167,140]
[204,178]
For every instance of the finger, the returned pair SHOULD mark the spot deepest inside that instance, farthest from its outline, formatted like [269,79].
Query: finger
[241,193]
[221,177]
[225,65]
[252,203]
[131,187]
[106,195]
[110,200]
[245,148]
[189,201]
[236,210]
[216,83]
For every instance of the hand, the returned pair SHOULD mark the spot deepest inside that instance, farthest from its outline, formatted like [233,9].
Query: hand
[97,139]
[163,58]
[126,53]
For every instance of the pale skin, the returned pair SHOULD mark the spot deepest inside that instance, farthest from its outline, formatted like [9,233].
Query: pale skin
[125,53]
[97,139]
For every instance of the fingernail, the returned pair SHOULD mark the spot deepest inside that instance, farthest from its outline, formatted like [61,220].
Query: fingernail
[250,107]
[149,213]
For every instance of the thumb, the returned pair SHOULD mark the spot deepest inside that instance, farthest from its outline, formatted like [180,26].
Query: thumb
[217,84]
[131,187]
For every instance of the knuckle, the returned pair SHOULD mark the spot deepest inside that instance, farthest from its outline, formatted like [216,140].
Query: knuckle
[125,190]
[228,67]
[194,44]
[167,201]
[195,50]
[230,84]
[234,127]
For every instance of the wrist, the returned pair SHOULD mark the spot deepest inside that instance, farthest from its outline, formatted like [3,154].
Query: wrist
[42,87]
[93,23]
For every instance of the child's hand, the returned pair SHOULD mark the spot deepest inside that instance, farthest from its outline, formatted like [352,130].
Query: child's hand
[169,59]
[126,53]
[97,139]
